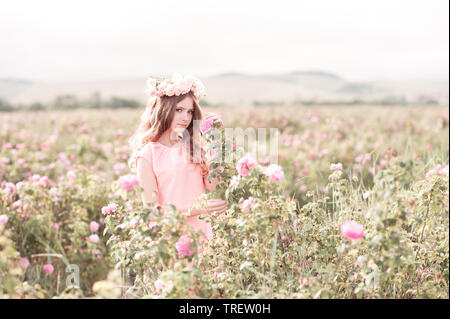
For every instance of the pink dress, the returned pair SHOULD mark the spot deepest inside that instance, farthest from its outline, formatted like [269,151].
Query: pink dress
[179,182]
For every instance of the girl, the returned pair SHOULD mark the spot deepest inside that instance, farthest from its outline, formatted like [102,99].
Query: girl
[168,168]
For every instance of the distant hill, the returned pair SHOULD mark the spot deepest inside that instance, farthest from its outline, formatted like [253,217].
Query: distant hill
[9,87]
[233,88]
[315,73]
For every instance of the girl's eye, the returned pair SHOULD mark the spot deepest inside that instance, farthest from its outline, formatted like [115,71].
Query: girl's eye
[180,110]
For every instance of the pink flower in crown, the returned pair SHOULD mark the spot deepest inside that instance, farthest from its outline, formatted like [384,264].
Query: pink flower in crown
[199,89]
[177,78]
[151,82]
[170,90]
[178,91]
[352,230]
[244,165]
[127,182]
[183,246]
[161,89]
[275,172]
[177,85]
[187,83]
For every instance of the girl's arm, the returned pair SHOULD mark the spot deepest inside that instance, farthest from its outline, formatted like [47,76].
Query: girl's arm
[147,181]
[212,206]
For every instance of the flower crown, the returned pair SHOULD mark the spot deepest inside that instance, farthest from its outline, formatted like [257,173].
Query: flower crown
[157,86]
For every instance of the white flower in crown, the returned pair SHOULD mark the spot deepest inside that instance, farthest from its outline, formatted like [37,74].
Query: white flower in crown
[176,86]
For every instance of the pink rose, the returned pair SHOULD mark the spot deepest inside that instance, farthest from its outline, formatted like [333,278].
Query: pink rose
[127,182]
[234,181]
[249,203]
[48,268]
[244,165]
[43,181]
[7,145]
[24,262]
[20,185]
[159,285]
[275,172]
[3,219]
[71,175]
[54,191]
[183,246]
[352,230]
[206,125]
[336,167]
[94,226]
[10,187]
[109,208]
[17,204]
[94,238]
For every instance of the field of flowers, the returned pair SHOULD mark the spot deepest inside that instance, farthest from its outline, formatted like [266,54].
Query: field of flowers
[357,207]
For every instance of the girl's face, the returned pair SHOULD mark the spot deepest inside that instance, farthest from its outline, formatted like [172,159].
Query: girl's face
[184,111]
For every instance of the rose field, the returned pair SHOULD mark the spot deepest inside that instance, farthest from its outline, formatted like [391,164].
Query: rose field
[356,207]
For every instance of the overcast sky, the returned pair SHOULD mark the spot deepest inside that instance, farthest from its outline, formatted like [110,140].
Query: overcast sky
[95,40]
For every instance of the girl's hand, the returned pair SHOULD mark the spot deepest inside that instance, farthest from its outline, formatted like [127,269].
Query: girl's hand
[216,206]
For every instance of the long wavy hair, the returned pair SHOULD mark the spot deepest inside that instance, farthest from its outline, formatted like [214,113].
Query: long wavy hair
[157,118]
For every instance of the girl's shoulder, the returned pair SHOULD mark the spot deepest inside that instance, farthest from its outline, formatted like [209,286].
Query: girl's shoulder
[146,151]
